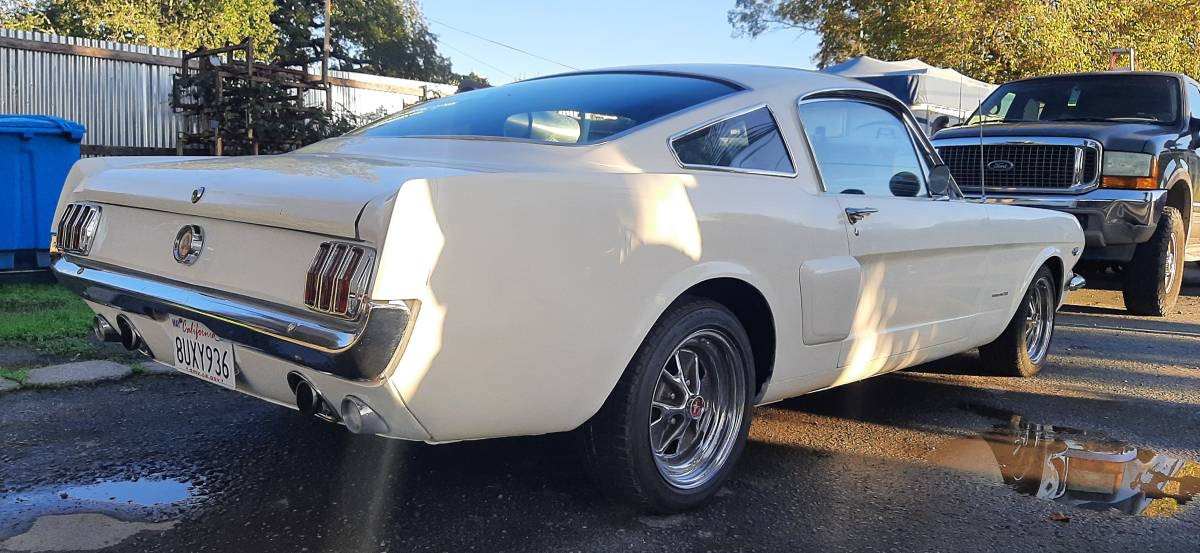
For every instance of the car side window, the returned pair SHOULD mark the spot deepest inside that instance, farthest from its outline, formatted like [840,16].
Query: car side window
[862,148]
[750,141]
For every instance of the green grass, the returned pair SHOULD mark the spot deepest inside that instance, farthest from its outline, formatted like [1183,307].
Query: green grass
[19,375]
[45,317]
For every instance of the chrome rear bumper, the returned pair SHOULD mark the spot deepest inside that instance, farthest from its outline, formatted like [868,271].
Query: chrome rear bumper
[354,350]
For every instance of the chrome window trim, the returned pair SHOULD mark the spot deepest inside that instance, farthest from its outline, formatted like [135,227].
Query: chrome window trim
[926,153]
[720,119]
[1078,188]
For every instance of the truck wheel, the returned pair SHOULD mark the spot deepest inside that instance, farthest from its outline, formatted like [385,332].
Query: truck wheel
[671,431]
[1153,278]
[1022,348]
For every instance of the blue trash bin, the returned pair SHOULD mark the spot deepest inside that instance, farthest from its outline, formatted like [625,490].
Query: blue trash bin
[36,152]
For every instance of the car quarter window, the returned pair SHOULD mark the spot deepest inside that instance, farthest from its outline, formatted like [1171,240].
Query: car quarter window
[861,148]
[750,141]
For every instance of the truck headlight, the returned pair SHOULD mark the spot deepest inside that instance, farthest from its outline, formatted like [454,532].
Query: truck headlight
[1128,170]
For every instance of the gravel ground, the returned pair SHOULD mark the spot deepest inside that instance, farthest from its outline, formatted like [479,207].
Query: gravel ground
[891,464]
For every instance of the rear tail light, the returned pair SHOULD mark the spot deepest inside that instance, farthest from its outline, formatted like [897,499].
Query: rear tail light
[77,228]
[336,282]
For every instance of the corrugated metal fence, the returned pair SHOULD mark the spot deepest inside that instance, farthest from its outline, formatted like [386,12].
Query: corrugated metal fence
[121,92]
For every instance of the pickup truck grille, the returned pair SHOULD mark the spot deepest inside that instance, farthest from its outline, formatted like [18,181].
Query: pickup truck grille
[1034,167]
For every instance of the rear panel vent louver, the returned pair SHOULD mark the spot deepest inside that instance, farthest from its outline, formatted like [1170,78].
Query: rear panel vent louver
[77,228]
[336,282]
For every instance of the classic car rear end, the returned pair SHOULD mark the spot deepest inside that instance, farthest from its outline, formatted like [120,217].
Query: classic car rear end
[212,266]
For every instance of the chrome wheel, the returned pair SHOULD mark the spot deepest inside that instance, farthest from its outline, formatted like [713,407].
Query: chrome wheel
[1172,265]
[1039,319]
[696,409]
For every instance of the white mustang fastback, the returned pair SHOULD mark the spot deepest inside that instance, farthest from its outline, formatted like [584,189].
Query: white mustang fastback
[640,254]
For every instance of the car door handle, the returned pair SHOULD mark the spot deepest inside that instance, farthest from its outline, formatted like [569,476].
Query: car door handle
[856,214]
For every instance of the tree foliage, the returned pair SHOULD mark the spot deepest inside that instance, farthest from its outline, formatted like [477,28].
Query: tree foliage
[992,40]
[384,37]
[183,24]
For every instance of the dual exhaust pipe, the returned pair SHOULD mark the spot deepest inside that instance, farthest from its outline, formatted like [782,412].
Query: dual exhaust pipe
[358,417]
[124,332]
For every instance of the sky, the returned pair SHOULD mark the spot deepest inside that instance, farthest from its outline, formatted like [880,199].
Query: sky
[600,33]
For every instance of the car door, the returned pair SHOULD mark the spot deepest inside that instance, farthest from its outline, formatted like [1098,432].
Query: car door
[923,258]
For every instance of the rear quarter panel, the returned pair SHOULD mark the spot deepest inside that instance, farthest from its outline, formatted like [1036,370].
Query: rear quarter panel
[536,289]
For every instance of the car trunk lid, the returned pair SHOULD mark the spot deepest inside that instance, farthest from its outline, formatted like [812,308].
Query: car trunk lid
[322,193]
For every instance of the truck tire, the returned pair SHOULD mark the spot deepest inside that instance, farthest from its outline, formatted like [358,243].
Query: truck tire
[1153,278]
[674,426]
[1025,343]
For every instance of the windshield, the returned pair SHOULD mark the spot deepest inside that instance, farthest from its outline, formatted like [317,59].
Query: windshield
[1118,98]
[577,109]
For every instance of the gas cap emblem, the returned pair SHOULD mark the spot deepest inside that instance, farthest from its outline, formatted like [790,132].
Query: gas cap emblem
[189,243]
[197,194]
[1000,165]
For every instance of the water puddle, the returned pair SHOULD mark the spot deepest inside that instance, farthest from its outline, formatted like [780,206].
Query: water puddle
[142,500]
[1082,469]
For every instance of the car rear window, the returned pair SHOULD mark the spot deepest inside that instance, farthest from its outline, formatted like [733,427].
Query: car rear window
[576,109]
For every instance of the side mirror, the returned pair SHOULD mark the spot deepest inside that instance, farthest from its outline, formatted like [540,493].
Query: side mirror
[904,185]
[939,123]
[939,181]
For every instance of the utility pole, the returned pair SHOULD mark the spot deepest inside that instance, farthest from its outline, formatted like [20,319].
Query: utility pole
[325,56]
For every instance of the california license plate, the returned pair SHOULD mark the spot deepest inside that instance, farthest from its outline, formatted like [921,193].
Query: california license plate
[200,353]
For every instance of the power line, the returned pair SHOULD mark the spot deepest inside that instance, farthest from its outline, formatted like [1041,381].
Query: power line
[526,52]
[506,73]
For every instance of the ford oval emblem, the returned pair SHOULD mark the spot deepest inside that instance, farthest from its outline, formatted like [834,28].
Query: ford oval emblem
[1000,165]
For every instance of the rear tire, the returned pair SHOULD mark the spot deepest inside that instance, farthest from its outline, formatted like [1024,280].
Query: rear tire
[1153,278]
[674,426]
[1023,347]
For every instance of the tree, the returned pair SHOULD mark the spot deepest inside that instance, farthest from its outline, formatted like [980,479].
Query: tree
[384,37]
[992,40]
[183,24]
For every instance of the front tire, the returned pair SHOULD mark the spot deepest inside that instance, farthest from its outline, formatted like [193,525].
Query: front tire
[672,429]
[1022,348]
[1154,277]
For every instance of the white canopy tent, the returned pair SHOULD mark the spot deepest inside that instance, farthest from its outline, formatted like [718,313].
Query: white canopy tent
[929,91]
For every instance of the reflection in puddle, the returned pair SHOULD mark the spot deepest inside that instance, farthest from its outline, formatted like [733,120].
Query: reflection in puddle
[140,492]
[142,500]
[1088,471]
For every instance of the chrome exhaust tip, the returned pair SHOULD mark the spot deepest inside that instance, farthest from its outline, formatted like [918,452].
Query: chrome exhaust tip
[129,337]
[104,331]
[360,418]
[309,400]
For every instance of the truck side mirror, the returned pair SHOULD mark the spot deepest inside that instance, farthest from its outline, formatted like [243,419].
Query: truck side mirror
[939,123]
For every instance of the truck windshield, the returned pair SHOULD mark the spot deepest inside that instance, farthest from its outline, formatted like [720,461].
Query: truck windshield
[576,109]
[1110,97]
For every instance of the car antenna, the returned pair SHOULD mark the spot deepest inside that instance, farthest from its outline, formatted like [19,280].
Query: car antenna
[982,185]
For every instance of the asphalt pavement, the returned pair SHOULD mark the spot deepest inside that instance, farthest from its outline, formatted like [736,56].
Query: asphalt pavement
[896,463]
